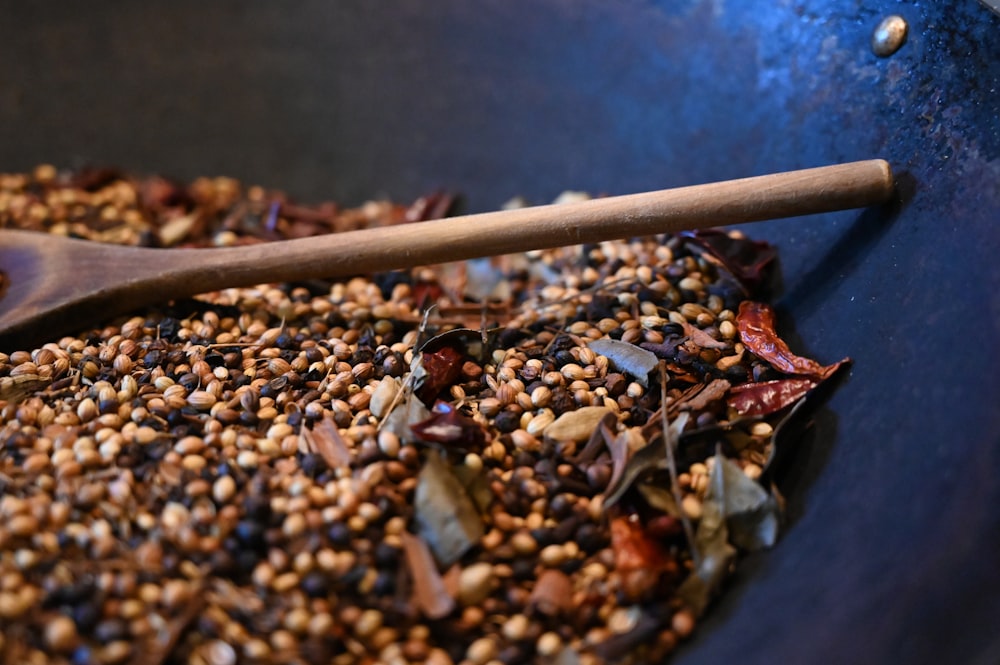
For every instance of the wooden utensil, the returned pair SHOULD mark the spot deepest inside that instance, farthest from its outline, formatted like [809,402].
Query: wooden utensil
[57,284]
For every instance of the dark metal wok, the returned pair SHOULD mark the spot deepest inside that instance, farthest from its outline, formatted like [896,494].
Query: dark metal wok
[892,554]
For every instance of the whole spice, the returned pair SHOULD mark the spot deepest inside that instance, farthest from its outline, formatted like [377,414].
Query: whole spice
[380,469]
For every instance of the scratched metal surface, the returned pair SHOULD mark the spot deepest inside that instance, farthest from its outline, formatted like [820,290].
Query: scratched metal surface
[891,553]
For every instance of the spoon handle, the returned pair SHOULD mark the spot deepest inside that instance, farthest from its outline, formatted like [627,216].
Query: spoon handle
[54,284]
[808,191]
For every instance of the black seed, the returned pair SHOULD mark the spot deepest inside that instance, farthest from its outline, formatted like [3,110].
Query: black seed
[507,421]
[316,584]
[339,534]
[386,556]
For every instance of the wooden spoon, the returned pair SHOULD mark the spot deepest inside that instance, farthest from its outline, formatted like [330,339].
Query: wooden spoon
[56,284]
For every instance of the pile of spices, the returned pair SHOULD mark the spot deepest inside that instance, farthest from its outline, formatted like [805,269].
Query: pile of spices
[555,457]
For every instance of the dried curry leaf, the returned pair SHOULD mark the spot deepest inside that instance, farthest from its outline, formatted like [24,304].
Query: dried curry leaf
[659,497]
[755,323]
[477,486]
[446,516]
[618,447]
[627,358]
[714,558]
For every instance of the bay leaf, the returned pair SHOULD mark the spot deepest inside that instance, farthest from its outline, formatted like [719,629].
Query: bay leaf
[651,457]
[752,513]
[713,555]
[446,516]
[429,589]
[324,439]
[408,411]
[384,395]
[627,358]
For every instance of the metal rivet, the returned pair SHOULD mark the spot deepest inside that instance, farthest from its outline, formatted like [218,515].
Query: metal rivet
[889,35]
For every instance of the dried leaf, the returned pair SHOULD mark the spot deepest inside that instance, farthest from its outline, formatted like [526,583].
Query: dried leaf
[324,439]
[651,457]
[751,512]
[384,396]
[446,425]
[446,517]
[429,591]
[13,389]
[715,390]
[467,341]
[599,439]
[576,425]
[736,509]
[477,486]
[659,497]
[702,339]
[620,450]
[714,558]
[747,260]
[407,411]
[568,656]
[755,323]
[627,358]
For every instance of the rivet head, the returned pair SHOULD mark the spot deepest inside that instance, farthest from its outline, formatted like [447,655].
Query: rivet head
[889,35]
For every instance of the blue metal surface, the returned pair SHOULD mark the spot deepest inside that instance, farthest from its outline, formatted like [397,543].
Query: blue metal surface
[892,553]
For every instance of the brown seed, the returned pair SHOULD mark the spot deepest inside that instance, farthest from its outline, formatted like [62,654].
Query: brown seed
[60,634]
[22,525]
[201,400]
[682,623]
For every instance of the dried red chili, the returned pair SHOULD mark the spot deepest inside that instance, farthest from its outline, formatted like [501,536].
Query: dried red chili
[448,426]
[747,260]
[443,367]
[767,397]
[755,323]
[639,559]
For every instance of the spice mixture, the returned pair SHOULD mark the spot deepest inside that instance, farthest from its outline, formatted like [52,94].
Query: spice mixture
[556,457]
